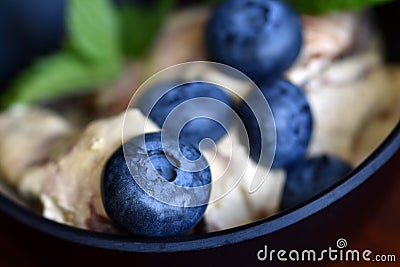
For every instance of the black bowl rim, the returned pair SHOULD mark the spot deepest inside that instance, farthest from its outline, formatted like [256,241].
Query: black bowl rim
[217,239]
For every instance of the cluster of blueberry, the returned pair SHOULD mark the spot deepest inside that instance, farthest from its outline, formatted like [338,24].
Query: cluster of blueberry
[262,39]
[134,178]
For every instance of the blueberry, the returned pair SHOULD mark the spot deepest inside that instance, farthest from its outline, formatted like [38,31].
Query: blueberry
[311,176]
[292,117]
[193,111]
[146,194]
[258,37]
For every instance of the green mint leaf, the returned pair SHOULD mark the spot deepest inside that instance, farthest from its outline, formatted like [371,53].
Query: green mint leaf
[93,29]
[139,25]
[324,6]
[58,75]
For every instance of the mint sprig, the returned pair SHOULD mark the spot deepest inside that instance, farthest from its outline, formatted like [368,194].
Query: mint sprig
[325,6]
[57,75]
[93,30]
[100,36]
[91,57]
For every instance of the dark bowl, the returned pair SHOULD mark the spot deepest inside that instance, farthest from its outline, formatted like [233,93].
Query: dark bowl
[335,213]
[339,212]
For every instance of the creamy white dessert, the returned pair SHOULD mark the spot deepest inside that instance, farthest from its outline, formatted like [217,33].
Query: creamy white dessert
[68,183]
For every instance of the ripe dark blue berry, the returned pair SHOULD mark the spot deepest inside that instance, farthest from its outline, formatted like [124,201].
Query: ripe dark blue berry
[293,122]
[258,37]
[145,194]
[195,110]
[311,176]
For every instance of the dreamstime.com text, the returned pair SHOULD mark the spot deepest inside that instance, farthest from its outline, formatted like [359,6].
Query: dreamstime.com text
[338,253]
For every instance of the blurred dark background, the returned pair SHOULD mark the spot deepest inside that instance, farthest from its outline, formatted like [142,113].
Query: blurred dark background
[387,17]
[28,29]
